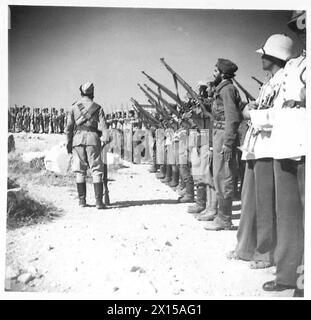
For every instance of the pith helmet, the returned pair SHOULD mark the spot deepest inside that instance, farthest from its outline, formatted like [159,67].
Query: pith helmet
[279,46]
[297,21]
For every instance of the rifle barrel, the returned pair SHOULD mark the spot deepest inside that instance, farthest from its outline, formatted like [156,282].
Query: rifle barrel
[187,87]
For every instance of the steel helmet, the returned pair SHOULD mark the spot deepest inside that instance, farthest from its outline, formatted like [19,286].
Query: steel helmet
[297,21]
[279,46]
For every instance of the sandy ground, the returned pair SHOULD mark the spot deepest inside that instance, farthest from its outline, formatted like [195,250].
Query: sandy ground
[144,245]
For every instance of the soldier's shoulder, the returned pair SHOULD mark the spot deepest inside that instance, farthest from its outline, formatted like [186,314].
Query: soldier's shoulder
[228,87]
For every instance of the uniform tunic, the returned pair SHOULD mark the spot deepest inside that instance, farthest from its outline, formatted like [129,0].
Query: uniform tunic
[289,170]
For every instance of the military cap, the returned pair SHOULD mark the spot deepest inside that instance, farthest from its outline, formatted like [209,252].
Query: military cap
[87,88]
[226,66]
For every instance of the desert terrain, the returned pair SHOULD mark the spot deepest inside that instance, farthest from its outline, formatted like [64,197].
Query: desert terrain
[144,245]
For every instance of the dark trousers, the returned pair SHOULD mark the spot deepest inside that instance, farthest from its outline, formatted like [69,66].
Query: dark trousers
[256,234]
[289,219]
[224,173]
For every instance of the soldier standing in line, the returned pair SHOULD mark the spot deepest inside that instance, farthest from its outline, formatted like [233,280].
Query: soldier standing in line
[86,122]
[27,120]
[46,120]
[19,120]
[203,124]
[33,120]
[227,117]
[38,120]
[289,167]
[52,121]
[56,119]
[12,118]
[41,120]
[256,233]
[61,120]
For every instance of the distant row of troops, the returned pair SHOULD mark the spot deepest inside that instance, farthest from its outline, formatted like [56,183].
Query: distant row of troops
[37,120]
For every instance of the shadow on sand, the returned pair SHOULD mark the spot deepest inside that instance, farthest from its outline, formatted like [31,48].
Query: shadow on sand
[126,204]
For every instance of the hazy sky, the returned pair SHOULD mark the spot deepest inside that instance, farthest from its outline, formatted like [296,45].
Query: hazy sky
[52,50]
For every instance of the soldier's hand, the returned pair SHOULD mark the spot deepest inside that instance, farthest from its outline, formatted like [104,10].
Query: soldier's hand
[69,147]
[227,153]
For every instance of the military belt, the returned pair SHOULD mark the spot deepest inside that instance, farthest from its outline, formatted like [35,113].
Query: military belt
[86,128]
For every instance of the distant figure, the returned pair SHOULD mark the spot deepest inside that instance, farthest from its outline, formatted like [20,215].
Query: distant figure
[61,120]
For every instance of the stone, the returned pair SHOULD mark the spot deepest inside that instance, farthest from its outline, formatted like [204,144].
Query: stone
[11,143]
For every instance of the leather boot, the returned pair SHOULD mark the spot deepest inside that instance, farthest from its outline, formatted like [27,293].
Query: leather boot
[81,187]
[153,169]
[211,210]
[106,196]
[161,174]
[175,177]
[200,200]
[223,218]
[189,195]
[168,175]
[98,190]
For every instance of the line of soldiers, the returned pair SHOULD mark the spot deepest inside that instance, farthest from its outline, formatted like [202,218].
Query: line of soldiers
[214,142]
[39,120]
[272,173]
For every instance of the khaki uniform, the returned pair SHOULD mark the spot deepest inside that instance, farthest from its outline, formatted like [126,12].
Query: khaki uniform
[86,141]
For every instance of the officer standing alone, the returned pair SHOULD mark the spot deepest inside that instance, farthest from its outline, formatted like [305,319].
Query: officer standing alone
[86,131]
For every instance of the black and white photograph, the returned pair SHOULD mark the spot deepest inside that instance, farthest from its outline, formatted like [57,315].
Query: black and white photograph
[155,151]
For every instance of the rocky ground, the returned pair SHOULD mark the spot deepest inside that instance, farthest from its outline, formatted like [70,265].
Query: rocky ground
[143,245]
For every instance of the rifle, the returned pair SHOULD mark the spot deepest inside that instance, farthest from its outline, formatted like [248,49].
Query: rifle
[248,96]
[258,81]
[186,86]
[171,94]
[139,114]
[155,103]
[165,103]
[145,113]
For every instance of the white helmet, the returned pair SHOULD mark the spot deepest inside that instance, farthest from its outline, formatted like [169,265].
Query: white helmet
[279,46]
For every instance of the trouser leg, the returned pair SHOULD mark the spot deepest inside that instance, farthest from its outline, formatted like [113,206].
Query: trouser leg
[97,169]
[265,207]
[289,222]
[79,166]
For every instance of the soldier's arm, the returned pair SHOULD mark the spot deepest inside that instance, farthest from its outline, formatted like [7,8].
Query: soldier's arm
[232,115]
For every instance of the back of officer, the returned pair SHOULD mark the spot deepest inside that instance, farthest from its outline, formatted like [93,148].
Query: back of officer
[85,130]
